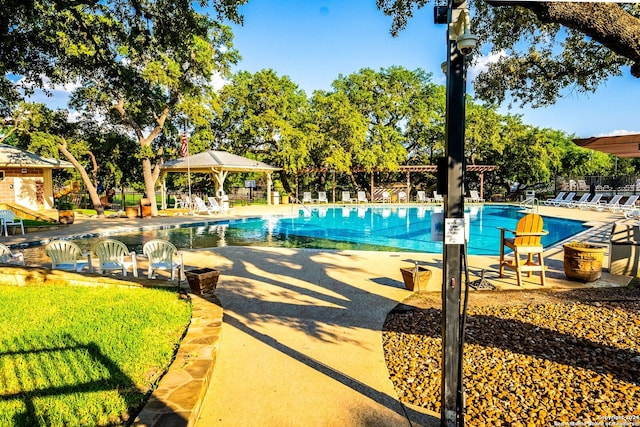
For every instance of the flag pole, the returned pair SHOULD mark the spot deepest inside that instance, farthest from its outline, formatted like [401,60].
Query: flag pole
[185,152]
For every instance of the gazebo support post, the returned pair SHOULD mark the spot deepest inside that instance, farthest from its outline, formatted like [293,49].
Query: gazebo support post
[408,186]
[372,184]
[269,185]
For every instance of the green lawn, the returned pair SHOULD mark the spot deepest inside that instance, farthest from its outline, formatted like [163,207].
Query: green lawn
[88,356]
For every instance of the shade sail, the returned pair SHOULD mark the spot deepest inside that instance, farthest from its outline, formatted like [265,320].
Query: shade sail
[621,145]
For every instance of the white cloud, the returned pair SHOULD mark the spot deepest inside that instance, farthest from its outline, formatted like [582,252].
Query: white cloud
[482,63]
[619,132]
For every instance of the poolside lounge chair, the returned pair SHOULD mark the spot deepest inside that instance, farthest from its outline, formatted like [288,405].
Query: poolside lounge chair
[612,205]
[9,218]
[322,197]
[421,197]
[386,197]
[67,255]
[346,197]
[591,204]
[629,204]
[114,255]
[7,256]
[474,197]
[362,197]
[575,203]
[565,202]
[526,241]
[213,205]
[306,197]
[437,198]
[582,185]
[163,255]
[402,197]
[559,197]
[201,206]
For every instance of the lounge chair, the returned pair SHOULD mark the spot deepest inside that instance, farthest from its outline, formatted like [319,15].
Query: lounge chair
[68,256]
[437,198]
[559,197]
[213,205]
[474,197]
[565,202]
[8,256]
[322,197]
[629,204]
[114,255]
[575,203]
[9,218]
[163,255]
[362,197]
[402,197]
[526,241]
[306,197]
[346,197]
[386,197]
[421,197]
[591,204]
[582,185]
[201,206]
[613,204]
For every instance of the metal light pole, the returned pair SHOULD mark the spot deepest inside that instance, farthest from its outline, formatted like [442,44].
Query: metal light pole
[459,43]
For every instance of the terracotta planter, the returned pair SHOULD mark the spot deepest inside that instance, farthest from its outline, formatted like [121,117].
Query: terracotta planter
[66,216]
[413,280]
[583,264]
[203,280]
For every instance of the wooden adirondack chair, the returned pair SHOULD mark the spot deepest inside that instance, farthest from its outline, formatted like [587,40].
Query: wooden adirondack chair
[526,240]
[67,255]
[114,255]
[163,255]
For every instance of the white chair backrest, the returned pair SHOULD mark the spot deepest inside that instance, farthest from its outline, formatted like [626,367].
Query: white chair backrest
[306,196]
[62,251]
[159,251]
[110,250]
[362,196]
[7,215]
[421,196]
[346,196]
[322,196]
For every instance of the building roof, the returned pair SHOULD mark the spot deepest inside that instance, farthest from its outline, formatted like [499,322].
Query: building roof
[211,161]
[14,157]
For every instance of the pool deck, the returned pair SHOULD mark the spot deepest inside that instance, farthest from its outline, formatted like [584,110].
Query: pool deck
[301,340]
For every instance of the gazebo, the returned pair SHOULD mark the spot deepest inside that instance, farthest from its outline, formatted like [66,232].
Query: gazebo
[218,164]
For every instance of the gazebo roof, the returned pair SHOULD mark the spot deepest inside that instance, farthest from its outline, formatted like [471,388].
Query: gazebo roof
[14,157]
[216,161]
[621,146]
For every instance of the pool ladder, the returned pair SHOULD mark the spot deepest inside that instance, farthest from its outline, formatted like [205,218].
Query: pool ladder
[307,210]
[530,205]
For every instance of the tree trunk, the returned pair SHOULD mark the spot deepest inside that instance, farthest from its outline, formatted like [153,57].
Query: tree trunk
[93,193]
[149,185]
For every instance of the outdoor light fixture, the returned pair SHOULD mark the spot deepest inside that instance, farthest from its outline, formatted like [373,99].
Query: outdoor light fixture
[459,30]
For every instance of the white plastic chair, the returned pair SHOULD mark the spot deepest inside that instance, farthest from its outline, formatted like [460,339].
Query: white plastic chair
[386,197]
[306,197]
[362,197]
[10,257]
[421,197]
[213,205]
[9,218]
[346,197]
[402,197]
[112,255]
[68,256]
[322,197]
[163,255]
[201,206]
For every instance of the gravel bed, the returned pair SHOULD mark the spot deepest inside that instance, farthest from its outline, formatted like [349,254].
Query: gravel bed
[573,359]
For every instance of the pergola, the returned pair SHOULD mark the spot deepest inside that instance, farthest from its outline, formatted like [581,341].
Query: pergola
[408,169]
[218,164]
[621,146]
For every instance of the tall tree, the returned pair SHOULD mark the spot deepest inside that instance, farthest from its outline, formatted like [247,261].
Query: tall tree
[545,47]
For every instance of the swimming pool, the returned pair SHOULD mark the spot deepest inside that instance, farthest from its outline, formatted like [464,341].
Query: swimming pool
[388,228]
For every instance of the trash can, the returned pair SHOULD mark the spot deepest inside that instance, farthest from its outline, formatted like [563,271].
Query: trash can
[145,208]
[275,198]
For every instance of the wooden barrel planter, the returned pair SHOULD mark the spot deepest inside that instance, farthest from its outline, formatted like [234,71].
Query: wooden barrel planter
[583,261]
[203,280]
[411,278]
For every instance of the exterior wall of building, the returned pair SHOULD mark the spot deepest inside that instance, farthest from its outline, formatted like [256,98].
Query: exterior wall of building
[29,187]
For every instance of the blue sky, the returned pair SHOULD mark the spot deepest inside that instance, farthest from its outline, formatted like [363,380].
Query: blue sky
[313,41]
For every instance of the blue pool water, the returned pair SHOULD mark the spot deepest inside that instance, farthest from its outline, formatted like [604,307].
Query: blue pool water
[360,228]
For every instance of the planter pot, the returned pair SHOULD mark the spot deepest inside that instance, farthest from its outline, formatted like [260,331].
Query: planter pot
[203,280]
[583,264]
[413,280]
[131,211]
[66,216]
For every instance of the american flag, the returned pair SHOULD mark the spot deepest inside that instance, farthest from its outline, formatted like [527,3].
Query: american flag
[184,148]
